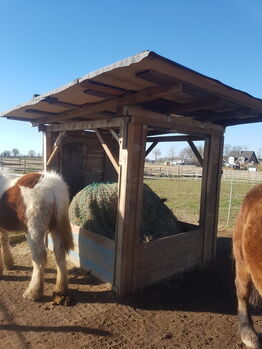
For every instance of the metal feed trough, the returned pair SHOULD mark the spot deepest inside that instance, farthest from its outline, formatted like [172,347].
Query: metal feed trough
[96,129]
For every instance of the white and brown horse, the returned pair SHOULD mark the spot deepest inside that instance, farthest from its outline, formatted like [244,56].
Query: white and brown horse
[247,249]
[36,203]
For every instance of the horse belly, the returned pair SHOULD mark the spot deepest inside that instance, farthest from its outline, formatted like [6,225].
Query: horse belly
[9,220]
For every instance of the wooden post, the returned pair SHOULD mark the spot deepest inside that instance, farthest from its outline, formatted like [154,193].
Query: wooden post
[131,160]
[212,170]
[47,148]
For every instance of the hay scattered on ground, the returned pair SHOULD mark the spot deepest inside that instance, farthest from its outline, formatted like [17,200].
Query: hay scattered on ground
[95,208]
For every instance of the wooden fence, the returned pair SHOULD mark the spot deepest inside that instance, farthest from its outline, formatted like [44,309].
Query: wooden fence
[196,172]
[22,164]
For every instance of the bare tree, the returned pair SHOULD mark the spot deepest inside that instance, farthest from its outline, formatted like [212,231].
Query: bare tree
[156,152]
[6,153]
[15,152]
[227,149]
[188,154]
[237,147]
[172,153]
[259,153]
[31,153]
[240,147]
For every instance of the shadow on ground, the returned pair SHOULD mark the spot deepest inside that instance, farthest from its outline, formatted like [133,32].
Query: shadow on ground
[207,290]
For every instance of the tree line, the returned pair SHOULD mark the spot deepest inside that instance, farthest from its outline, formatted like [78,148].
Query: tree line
[16,153]
[186,154]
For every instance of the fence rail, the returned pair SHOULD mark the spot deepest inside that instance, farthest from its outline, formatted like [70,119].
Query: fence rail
[196,172]
[22,164]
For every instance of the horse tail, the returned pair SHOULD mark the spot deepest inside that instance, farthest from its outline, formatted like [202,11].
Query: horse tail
[60,223]
[63,228]
[255,299]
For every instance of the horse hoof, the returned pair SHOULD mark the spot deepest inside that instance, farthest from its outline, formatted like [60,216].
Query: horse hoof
[250,338]
[32,295]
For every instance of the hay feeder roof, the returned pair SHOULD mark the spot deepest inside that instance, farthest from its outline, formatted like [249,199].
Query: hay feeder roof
[148,81]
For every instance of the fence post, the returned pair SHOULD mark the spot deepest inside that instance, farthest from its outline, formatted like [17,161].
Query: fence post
[230,198]
[24,164]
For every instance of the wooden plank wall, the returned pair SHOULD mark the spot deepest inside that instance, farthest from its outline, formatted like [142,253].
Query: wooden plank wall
[163,258]
[84,161]
[92,252]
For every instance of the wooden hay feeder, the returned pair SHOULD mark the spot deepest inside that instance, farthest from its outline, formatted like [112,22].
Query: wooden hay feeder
[96,129]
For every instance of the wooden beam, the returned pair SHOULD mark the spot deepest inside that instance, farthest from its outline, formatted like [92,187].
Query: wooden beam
[113,133]
[209,207]
[19,118]
[234,121]
[103,88]
[107,150]
[98,94]
[150,148]
[82,125]
[129,208]
[221,116]
[196,152]
[41,112]
[181,124]
[191,107]
[202,82]
[55,149]
[144,95]
[174,138]
[47,148]
[155,77]
[56,102]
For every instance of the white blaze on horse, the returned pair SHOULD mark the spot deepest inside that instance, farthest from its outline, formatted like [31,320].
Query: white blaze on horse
[36,203]
[247,249]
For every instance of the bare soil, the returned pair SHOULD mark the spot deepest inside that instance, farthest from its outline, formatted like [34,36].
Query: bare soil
[196,310]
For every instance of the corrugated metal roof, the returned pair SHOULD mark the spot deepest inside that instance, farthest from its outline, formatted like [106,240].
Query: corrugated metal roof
[198,96]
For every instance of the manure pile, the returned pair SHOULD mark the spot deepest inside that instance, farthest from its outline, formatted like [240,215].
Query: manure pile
[94,208]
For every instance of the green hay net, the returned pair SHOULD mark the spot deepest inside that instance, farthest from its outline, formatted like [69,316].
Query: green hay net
[95,209]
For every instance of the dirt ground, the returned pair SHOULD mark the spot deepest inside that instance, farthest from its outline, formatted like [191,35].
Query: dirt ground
[197,310]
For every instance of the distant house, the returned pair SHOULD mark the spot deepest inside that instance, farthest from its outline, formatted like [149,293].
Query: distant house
[242,159]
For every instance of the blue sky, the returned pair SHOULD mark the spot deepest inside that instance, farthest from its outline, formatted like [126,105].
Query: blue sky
[45,44]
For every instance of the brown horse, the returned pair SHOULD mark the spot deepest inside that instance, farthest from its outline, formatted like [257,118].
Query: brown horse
[36,203]
[247,249]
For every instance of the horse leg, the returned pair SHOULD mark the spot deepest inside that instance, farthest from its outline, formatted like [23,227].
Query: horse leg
[1,261]
[244,287]
[59,251]
[5,250]
[39,255]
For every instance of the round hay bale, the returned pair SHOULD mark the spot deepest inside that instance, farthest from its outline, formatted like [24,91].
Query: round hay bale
[94,208]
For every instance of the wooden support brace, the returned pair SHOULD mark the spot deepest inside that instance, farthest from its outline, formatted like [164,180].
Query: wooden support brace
[113,133]
[56,148]
[152,146]
[196,152]
[175,138]
[107,150]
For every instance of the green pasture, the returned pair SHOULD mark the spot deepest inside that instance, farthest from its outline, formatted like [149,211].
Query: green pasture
[183,197]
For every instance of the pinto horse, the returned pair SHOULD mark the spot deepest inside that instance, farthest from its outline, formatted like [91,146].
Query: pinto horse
[36,203]
[247,250]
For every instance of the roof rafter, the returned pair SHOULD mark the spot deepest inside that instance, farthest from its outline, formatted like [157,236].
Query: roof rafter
[144,95]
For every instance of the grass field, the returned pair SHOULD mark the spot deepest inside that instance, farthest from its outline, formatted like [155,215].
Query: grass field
[183,197]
